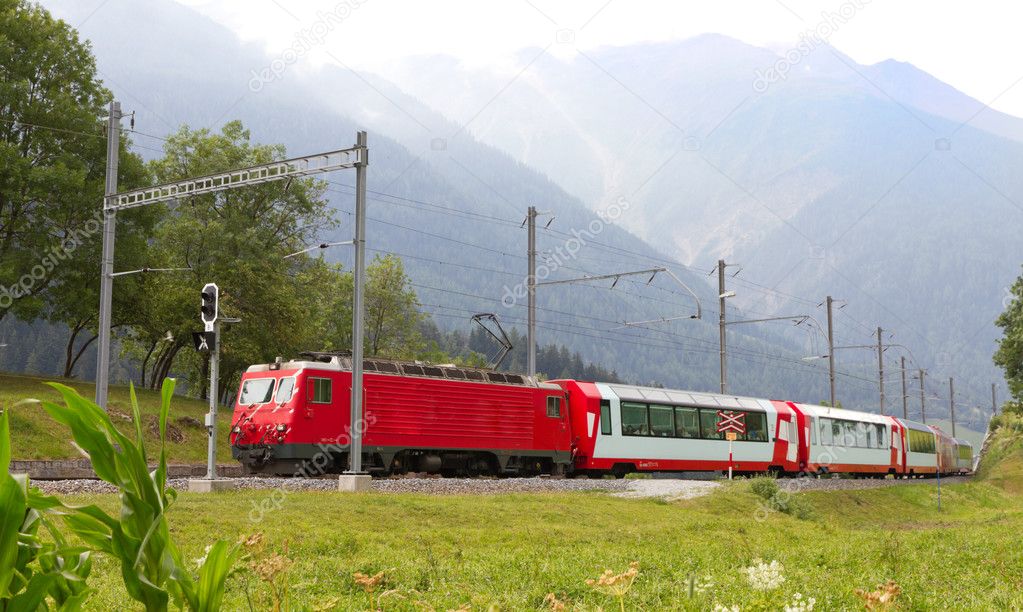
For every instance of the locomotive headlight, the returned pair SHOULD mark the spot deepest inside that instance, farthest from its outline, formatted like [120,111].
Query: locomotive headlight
[236,429]
[281,427]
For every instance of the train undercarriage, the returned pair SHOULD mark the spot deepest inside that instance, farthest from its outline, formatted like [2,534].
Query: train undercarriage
[298,462]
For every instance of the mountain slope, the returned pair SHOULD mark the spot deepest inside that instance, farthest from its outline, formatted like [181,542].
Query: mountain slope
[876,184]
[451,206]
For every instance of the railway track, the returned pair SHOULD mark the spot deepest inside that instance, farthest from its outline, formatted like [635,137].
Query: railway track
[662,487]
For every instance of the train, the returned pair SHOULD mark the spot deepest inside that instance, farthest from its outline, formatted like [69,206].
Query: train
[294,418]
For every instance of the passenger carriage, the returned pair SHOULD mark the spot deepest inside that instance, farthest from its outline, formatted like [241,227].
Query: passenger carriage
[963,456]
[853,442]
[622,428]
[921,448]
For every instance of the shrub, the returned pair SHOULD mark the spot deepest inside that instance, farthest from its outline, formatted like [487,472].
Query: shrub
[777,499]
[764,486]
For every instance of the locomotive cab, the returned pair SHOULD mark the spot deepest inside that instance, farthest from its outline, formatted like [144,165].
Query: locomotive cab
[277,405]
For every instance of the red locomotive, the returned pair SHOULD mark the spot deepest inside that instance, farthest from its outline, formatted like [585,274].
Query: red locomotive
[293,418]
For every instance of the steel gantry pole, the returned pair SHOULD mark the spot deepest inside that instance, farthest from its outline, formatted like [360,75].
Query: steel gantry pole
[358,307]
[905,398]
[952,403]
[106,281]
[831,351]
[994,400]
[923,399]
[531,293]
[880,367]
[721,326]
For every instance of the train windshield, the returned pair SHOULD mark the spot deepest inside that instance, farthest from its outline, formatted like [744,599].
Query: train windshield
[285,390]
[257,391]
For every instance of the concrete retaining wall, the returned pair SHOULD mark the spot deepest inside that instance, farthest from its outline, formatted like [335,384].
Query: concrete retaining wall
[67,469]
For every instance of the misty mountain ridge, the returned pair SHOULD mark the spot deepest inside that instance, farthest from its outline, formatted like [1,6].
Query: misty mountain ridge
[710,169]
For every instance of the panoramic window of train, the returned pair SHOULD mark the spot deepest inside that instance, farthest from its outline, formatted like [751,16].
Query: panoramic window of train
[320,390]
[921,442]
[687,422]
[662,421]
[848,435]
[837,433]
[756,427]
[827,437]
[709,424]
[634,419]
[864,435]
[605,417]
[882,435]
[285,389]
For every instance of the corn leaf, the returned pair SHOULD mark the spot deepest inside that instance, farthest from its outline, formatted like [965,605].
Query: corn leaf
[13,507]
[214,573]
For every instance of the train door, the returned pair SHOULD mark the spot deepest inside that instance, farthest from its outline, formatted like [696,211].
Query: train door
[802,422]
[557,410]
[786,437]
[898,458]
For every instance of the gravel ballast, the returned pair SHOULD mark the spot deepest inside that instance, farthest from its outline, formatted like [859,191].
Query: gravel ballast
[671,489]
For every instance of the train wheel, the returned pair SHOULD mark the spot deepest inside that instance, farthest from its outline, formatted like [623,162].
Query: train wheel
[621,469]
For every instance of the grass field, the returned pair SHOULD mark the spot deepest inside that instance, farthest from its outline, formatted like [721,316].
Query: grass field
[512,550]
[508,552]
[36,436]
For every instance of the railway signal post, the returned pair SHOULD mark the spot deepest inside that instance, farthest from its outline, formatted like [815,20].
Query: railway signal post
[209,340]
[731,424]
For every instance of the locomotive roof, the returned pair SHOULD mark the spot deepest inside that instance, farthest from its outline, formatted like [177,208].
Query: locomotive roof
[341,362]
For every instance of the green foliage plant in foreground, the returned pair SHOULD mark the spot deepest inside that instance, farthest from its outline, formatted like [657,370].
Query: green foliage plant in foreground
[37,574]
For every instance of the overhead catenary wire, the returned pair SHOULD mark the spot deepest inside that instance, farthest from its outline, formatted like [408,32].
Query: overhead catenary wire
[394,199]
[517,256]
[844,374]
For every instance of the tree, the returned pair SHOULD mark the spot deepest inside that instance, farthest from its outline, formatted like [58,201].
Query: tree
[392,310]
[52,152]
[1009,355]
[237,239]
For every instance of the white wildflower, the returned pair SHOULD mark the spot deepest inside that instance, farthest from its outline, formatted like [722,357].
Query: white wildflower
[702,586]
[202,560]
[765,576]
[699,586]
[719,608]
[800,604]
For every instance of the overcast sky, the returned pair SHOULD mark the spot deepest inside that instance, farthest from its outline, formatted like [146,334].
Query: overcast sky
[975,46]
